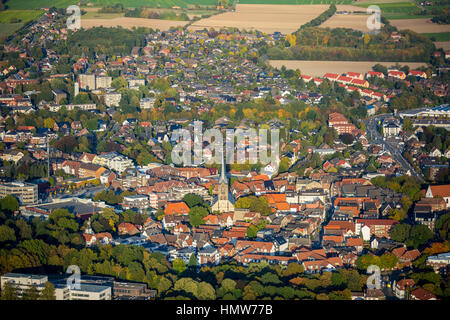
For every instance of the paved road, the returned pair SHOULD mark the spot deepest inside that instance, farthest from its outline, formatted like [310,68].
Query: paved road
[396,151]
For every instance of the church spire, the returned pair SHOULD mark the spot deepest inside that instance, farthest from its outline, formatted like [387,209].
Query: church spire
[223,178]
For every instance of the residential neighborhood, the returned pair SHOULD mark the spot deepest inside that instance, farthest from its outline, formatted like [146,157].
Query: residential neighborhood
[89,178]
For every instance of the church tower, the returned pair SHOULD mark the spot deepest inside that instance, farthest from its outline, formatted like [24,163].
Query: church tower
[223,203]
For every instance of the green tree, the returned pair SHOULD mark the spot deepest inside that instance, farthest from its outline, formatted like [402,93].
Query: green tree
[9,204]
[443,226]
[7,234]
[179,265]
[9,292]
[252,231]
[192,200]
[192,261]
[419,235]
[30,293]
[25,230]
[196,215]
[293,268]
[400,232]
[205,291]
[48,293]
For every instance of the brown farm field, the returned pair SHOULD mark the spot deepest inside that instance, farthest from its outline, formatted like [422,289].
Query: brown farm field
[352,21]
[265,18]
[442,44]
[420,25]
[129,23]
[319,68]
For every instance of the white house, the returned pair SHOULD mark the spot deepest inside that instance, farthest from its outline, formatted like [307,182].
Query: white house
[365,231]
[435,152]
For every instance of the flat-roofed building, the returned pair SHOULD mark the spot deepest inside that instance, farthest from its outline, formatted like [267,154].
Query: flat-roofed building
[112,98]
[86,81]
[26,193]
[102,82]
[136,201]
[80,209]
[82,292]
[132,290]
[22,281]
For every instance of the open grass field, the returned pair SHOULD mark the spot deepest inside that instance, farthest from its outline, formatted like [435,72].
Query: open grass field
[7,29]
[15,16]
[421,26]
[129,23]
[36,4]
[265,18]
[319,68]
[441,37]
[395,10]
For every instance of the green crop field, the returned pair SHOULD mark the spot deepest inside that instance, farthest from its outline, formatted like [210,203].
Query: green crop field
[442,36]
[7,29]
[397,10]
[36,4]
[14,16]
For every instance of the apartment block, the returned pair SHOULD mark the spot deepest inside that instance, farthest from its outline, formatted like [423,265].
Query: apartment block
[26,193]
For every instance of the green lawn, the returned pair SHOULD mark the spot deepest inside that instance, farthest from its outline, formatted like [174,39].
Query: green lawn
[442,36]
[19,15]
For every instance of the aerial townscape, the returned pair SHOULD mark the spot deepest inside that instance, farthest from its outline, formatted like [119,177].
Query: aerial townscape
[95,206]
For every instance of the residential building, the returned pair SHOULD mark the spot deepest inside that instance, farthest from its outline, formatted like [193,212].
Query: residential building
[440,263]
[21,281]
[136,201]
[442,191]
[112,99]
[26,193]
[132,290]
[82,292]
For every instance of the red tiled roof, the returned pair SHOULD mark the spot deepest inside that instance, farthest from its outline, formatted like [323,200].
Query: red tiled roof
[176,208]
